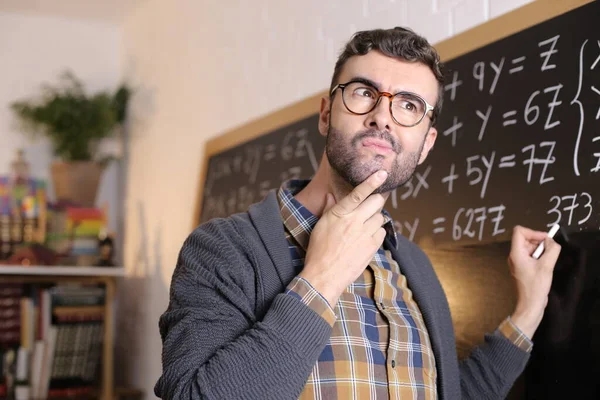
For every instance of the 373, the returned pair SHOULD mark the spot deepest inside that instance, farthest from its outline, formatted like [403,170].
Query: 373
[567,208]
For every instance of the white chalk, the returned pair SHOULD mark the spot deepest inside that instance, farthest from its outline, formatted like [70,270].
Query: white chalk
[540,249]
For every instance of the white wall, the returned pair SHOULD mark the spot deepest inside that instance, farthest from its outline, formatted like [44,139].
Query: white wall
[35,50]
[202,68]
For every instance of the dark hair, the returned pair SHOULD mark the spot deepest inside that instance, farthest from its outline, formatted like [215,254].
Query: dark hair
[400,43]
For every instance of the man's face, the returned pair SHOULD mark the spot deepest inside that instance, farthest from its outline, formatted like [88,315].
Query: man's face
[359,145]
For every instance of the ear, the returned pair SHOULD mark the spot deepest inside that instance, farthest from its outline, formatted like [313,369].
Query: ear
[324,116]
[428,145]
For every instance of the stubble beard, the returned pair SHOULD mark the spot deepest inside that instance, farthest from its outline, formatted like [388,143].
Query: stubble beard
[344,158]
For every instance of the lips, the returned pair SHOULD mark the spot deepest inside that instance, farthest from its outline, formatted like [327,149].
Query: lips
[379,145]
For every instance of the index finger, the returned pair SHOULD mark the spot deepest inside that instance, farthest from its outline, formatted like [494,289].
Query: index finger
[528,235]
[360,193]
[524,239]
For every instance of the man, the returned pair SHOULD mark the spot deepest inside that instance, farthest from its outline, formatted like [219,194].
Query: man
[311,294]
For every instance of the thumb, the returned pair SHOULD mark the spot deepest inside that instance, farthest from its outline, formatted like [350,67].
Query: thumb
[329,202]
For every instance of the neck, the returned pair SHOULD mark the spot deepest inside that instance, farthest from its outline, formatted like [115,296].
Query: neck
[326,180]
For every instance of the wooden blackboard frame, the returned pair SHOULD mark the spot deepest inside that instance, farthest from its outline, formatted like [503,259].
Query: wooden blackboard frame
[475,38]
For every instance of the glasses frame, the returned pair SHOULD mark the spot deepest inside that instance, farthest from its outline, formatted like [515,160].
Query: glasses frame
[428,107]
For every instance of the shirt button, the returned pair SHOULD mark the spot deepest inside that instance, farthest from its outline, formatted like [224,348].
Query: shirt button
[393,364]
[382,306]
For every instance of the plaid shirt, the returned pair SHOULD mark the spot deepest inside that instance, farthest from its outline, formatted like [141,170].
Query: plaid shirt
[379,345]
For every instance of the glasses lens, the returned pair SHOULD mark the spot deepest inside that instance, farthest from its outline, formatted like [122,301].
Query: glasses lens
[359,98]
[408,109]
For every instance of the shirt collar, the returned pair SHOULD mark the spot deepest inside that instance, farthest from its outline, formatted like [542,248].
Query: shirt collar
[299,221]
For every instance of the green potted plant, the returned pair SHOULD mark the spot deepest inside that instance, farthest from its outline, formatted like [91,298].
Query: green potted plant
[75,124]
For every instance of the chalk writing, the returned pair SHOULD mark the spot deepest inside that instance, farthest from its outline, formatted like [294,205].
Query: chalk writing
[518,142]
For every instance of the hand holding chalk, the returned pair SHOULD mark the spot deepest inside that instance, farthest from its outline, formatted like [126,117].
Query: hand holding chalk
[532,274]
[540,249]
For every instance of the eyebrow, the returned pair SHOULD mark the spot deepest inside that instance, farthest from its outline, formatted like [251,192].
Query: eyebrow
[377,86]
[366,82]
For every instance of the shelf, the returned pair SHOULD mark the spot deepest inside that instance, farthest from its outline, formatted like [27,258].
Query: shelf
[61,271]
[107,276]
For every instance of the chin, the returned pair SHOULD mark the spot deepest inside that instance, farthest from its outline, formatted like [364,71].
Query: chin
[388,186]
[385,188]
[356,179]
[354,167]
[396,176]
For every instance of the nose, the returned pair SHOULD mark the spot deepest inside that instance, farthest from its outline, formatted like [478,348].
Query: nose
[380,117]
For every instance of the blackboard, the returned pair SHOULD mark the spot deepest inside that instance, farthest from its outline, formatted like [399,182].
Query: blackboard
[518,139]
[243,175]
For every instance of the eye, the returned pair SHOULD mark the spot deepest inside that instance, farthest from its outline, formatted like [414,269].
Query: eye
[408,103]
[364,92]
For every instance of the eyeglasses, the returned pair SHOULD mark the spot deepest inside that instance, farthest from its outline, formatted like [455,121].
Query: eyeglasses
[407,109]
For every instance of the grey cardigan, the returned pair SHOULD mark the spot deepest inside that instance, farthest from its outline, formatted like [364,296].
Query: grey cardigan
[230,333]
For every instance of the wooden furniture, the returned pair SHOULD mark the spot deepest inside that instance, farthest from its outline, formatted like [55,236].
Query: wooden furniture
[87,275]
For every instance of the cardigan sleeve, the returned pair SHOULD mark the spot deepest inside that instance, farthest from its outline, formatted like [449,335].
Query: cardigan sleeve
[213,346]
[492,368]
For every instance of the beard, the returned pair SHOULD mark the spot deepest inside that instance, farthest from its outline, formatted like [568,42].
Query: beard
[345,159]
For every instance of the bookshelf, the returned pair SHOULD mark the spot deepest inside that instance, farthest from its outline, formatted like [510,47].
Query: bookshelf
[85,275]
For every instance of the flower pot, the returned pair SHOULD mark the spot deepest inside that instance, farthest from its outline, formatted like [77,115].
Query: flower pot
[76,182]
